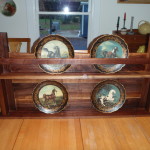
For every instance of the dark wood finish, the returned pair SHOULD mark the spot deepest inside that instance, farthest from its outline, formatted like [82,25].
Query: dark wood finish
[4,51]
[26,40]
[78,54]
[134,1]
[10,94]
[148,99]
[74,61]
[7,89]
[134,41]
[74,76]
[3,99]
[24,74]
[146,85]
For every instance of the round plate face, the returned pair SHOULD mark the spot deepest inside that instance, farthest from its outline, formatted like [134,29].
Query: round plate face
[94,41]
[54,46]
[108,96]
[50,97]
[109,46]
[8,7]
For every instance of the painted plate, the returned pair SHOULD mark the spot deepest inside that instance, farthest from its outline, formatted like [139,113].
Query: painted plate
[8,7]
[109,46]
[54,46]
[94,41]
[108,96]
[50,97]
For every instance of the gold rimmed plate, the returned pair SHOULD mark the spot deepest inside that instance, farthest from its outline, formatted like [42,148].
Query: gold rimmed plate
[109,46]
[108,96]
[50,97]
[94,41]
[54,46]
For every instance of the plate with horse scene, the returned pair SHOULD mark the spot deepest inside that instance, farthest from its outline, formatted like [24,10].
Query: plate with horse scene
[94,41]
[50,97]
[54,46]
[108,96]
[109,46]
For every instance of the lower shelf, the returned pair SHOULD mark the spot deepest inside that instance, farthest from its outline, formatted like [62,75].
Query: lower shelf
[73,114]
[73,76]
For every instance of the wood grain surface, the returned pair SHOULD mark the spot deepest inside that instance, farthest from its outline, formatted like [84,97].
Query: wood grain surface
[49,134]
[115,133]
[36,61]
[9,130]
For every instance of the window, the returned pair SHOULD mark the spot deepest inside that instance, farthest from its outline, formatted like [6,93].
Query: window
[68,18]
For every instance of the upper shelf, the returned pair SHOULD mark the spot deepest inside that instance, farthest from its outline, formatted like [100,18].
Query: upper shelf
[80,58]
[29,61]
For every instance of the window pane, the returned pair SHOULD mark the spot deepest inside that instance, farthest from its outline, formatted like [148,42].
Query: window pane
[73,27]
[63,5]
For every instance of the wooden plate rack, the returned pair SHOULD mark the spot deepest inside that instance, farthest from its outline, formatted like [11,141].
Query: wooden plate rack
[19,73]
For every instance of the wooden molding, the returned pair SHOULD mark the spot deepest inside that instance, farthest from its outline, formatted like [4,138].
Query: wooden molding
[134,1]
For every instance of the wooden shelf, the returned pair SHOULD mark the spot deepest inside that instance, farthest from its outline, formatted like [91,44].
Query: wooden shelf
[134,1]
[20,73]
[134,41]
[74,76]
[31,61]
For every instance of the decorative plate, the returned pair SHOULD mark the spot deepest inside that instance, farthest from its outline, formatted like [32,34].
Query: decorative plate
[109,46]
[50,97]
[94,41]
[34,45]
[54,46]
[108,96]
[8,7]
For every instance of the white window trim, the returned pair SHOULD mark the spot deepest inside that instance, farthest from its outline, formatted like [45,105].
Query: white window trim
[33,18]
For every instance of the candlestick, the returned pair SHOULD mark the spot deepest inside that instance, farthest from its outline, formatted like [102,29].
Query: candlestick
[124,16]
[124,30]
[124,21]
[118,23]
[131,26]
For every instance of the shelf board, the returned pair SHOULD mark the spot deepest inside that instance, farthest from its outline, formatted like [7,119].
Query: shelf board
[134,1]
[74,76]
[29,61]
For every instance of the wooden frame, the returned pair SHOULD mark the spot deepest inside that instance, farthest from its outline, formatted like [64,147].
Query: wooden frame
[27,40]
[20,74]
[134,1]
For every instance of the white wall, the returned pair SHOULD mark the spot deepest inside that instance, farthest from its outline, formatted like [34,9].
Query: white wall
[15,26]
[104,18]
[110,10]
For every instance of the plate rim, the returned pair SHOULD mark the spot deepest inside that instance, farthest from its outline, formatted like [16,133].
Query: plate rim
[97,41]
[43,110]
[49,38]
[110,110]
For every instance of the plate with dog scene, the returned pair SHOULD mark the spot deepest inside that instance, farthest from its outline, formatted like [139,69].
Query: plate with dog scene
[109,46]
[50,97]
[108,96]
[54,46]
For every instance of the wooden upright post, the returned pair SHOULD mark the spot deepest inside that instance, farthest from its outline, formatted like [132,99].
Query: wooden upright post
[145,99]
[7,101]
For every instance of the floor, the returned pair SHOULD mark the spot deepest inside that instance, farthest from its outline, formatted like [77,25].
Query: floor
[124,133]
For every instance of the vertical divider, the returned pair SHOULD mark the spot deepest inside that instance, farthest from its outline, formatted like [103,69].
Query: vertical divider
[145,89]
[7,101]
[3,99]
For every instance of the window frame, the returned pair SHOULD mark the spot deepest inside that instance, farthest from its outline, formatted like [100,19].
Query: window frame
[38,12]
